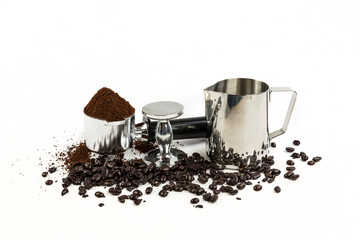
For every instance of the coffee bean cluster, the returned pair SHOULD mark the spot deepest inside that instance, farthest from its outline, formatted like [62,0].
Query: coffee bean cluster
[120,175]
[302,155]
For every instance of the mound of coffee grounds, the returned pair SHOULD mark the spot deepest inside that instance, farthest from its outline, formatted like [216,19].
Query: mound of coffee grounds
[144,146]
[77,153]
[108,105]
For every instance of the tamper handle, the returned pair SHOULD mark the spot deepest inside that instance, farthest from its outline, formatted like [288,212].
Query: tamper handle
[183,128]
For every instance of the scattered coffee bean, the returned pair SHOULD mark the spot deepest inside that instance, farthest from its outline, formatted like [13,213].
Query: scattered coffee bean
[137,201]
[49,182]
[290,169]
[270,180]
[277,189]
[241,186]
[199,206]
[316,159]
[137,193]
[311,162]
[290,162]
[133,196]
[273,144]
[101,204]
[52,169]
[290,149]
[99,195]
[194,201]
[238,198]
[295,177]
[257,187]
[304,158]
[44,174]
[148,190]
[163,193]
[296,142]
[295,155]
[213,198]
[64,191]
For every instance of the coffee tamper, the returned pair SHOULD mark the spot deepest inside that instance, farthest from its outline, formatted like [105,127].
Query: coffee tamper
[163,111]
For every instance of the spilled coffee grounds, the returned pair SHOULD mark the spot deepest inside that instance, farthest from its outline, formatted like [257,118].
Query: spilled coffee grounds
[143,146]
[108,105]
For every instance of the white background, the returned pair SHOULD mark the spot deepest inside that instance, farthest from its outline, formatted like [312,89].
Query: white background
[54,55]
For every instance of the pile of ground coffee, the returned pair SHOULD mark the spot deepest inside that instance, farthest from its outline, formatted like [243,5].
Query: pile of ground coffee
[108,105]
[144,146]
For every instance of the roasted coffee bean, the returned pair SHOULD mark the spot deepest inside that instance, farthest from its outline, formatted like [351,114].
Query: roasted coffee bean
[178,188]
[138,193]
[273,144]
[109,182]
[52,170]
[163,193]
[110,164]
[115,191]
[121,199]
[64,191]
[270,180]
[275,172]
[199,206]
[133,196]
[304,158]
[295,155]
[290,169]
[290,162]
[148,190]
[99,194]
[295,177]
[216,191]
[82,191]
[96,177]
[290,149]
[248,183]
[277,189]
[241,186]
[257,187]
[255,176]
[49,182]
[234,192]
[311,162]
[44,174]
[213,199]
[200,191]
[296,142]
[316,159]
[288,174]
[207,196]
[264,179]
[101,204]
[202,179]
[194,201]
[137,201]
[238,198]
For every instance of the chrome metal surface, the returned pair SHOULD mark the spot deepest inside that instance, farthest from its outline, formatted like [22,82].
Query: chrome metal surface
[163,111]
[237,113]
[109,137]
[153,156]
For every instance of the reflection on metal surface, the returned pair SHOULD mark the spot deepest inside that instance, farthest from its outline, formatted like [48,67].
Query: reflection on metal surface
[109,137]
[237,114]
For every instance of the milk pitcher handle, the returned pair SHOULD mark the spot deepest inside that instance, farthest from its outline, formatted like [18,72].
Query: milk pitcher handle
[289,111]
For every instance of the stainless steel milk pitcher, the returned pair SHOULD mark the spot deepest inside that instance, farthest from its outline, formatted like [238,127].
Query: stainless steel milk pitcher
[237,114]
